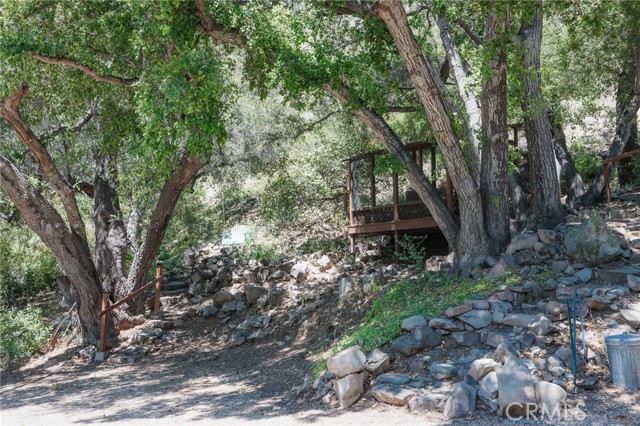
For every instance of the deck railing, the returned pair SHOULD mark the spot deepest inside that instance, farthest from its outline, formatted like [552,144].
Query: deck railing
[106,308]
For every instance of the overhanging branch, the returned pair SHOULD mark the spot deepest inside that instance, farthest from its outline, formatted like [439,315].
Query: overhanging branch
[53,60]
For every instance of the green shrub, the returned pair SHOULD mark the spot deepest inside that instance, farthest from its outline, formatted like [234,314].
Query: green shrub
[26,265]
[412,250]
[22,333]
[588,161]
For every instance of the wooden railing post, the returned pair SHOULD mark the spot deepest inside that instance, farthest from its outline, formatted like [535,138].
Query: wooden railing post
[156,301]
[103,322]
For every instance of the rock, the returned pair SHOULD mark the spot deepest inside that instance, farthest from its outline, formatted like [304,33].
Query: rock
[347,361]
[477,319]
[631,317]
[550,397]
[479,304]
[564,354]
[491,403]
[209,310]
[461,402]
[585,275]
[428,402]
[500,306]
[597,303]
[546,236]
[489,384]
[392,394]
[445,324]
[618,329]
[230,306]
[499,270]
[347,285]
[559,266]
[633,282]
[442,371]
[349,388]
[504,351]
[221,297]
[254,292]
[505,296]
[518,320]
[377,362]
[276,296]
[494,339]
[405,345]
[324,263]
[425,337]
[240,337]
[556,308]
[481,367]
[592,242]
[516,389]
[522,242]
[410,323]
[372,281]
[454,311]
[300,270]
[540,325]
[466,338]
[393,379]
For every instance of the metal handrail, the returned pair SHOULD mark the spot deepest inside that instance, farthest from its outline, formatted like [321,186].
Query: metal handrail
[106,308]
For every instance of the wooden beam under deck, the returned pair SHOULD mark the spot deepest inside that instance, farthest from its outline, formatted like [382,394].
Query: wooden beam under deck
[401,225]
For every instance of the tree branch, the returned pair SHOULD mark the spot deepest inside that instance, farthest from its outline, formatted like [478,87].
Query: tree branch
[467,29]
[53,60]
[82,121]
[214,30]
[10,111]
[310,126]
[402,109]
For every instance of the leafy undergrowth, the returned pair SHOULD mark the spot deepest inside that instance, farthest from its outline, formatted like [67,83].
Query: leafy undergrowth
[427,296]
[22,333]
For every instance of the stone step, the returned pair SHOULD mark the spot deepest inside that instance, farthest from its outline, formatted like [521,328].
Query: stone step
[617,275]
[177,292]
[175,285]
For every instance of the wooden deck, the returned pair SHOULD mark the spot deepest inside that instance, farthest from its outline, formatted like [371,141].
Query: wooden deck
[409,215]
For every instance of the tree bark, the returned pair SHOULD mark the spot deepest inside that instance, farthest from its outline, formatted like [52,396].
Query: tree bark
[70,251]
[111,235]
[624,92]
[463,83]
[148,251]
[472,242]
[568,171]
[10,111]
[494,169]
[545,203]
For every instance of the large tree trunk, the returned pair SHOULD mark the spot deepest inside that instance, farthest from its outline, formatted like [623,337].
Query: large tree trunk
[568,171]
[463,83]
[624,92]
[623,133]
[111,235]
[472,242]
[66,246]
[545,202]
[494,169]
[146,254]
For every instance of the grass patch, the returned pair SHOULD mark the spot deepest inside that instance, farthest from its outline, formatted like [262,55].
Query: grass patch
[427,296]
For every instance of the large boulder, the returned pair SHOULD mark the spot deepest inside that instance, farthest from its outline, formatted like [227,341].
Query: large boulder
[254,292]
[461,402]
[516,389]
[377,362]
[550,397]
[392,394]
[221,297]
[349,388]
[347,361]
[592,242]
[410,323]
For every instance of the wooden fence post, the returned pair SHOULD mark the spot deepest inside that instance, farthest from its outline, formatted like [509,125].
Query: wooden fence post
[156,301]
[103,322]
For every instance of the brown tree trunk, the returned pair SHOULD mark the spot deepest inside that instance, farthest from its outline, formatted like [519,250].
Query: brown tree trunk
[148,251]
[624,92]
[472,243]
[66,246]
[568,171]
[545,202]
[494,169]
[111,235]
